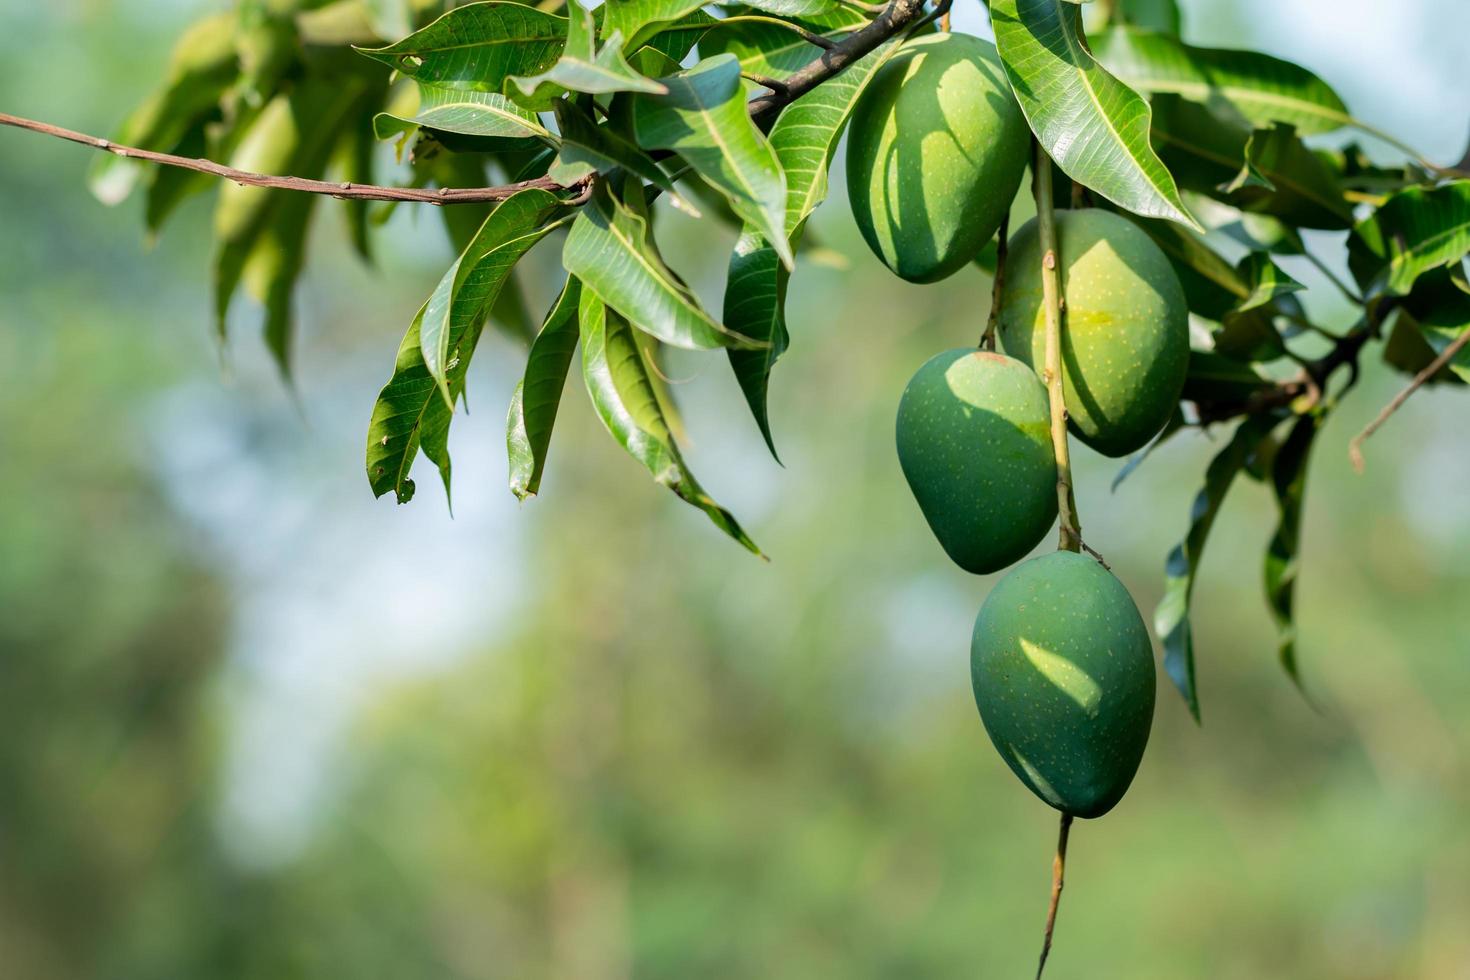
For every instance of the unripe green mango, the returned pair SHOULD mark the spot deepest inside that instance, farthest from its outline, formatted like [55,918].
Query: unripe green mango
[975,448]
[935,153]
[1064,679]
[1125,347]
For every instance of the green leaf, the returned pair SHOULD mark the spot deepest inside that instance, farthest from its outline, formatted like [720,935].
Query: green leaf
[470,286]
[582,68]
[475,48]
[202,68]
[804,138]
[1266,279]
[588,148]
[1157,15]
[294,134]
[411,412]
[1433,316]
[772,51]
[1413,232]
[484,114]
[1212,287]
[638,20]
[1214,379]
[618,381]
[703,118]
[537,397]
[795,8]
[1252,88]
[1289,482]
[1093,126]
[1171,618]
[272,268]
[1283,178]
[610,251]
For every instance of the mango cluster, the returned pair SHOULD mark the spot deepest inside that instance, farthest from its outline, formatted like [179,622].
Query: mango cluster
[1061,662]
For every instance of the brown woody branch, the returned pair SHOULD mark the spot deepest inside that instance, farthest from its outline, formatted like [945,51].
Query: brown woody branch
[893,19]
[1355,448]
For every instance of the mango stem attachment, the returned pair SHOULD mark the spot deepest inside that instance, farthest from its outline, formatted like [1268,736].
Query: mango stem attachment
[1053,304]
[1058,876]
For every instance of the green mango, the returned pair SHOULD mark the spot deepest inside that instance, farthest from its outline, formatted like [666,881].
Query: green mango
[935,153]
[1063,673]
[1125,346]
[974,445]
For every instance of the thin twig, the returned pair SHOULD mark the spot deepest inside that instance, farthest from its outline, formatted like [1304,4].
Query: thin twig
[1058,879]
[1052,303]
[343,189]
[1355,448]
[1002,243]
[1096,554]
[774,84]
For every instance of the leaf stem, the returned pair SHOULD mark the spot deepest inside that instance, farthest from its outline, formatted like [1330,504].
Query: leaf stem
[1053,303]
[1002,243]
[1058,879]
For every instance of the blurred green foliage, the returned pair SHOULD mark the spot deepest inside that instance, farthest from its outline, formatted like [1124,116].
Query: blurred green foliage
[664,759]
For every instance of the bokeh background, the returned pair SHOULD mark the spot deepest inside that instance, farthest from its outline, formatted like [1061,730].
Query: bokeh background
[254,723]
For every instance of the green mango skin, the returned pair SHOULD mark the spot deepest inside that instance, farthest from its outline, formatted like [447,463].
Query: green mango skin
[935,153]
[1063,673]
[974,445]
[1125,349]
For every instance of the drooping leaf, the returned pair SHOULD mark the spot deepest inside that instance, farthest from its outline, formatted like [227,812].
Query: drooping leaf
[203,66]
[1093,126]
[470,286]
[168,187]
[537,397]
[588,148]
[617,379]
[1413,232]
[1289,482]
[583,68]
[411,411]
[272,268]
[703,118]
[804,138]
[609,250]
[638,20]
[1171,618]
[1171,428]
[294,134]
[1253,88]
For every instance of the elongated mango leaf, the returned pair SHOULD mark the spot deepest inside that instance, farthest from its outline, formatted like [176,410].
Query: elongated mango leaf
[1266,279]
[609,250]
[582,68]
[411,411]
[203,66]
[772,51]
[1256,89]
[1281,177]
[470,287]
[618,381]
[272,268]
[537,397]
[294,134]
[1093,126]
[486,114]
[588,148]
[637,21]
[795,8]
[703,118]
[475,48]
[1413,232]
[1289,482]
[1171,618]
[1433,316]
[804,138]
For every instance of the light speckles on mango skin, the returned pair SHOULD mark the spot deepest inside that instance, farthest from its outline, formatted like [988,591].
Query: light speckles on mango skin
[1126,347]
[1063,673]
[974,446]
[935,153]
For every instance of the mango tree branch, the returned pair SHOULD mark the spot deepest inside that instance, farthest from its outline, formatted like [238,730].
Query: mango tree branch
[1052,306]
[893,19]
[1355,448]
